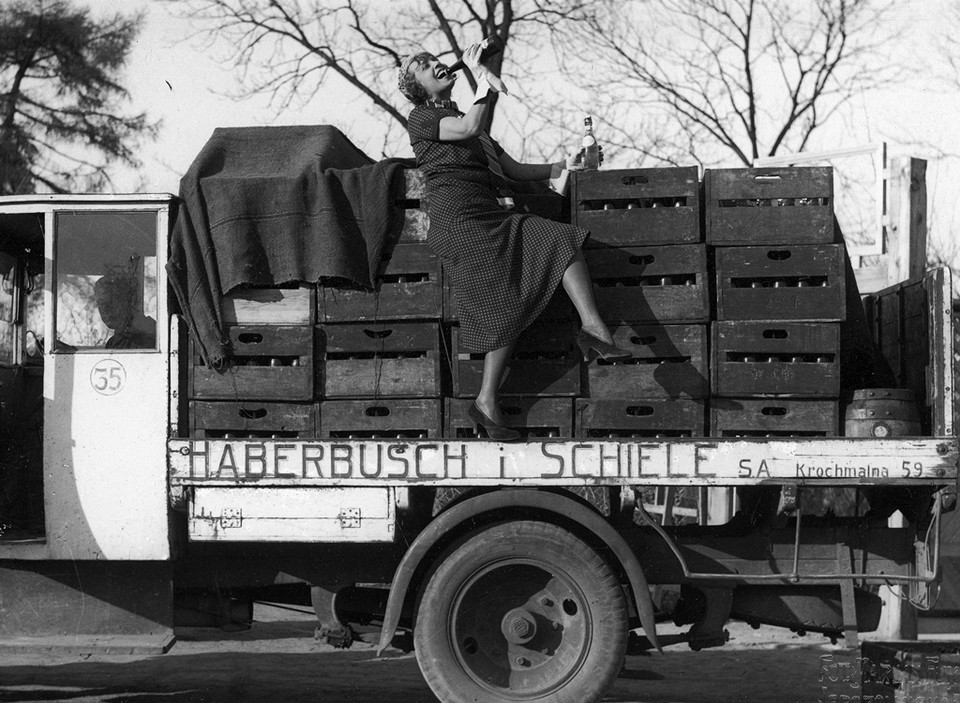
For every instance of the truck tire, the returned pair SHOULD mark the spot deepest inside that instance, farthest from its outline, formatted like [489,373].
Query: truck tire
[521,611]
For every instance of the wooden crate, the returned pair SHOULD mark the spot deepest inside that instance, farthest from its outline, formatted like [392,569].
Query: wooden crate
[795,358]
[558,308]
[532,417]
[641,206]
[650,284]
[250,419]
[669,361]
[639,417]
[781,283]
[392,360]
[270,362]
[766,206]
[546,362]
[773,417]
[279,305]
[416,222]
[381,418]
[408,288]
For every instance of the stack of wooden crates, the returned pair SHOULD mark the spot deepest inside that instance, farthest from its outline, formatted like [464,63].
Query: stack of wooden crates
[728,293]
[649,269]
[780,298]
[380,352]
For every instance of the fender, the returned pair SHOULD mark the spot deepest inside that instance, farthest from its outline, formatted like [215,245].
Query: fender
[549,502]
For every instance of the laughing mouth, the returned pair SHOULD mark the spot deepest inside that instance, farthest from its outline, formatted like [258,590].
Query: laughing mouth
[441,72]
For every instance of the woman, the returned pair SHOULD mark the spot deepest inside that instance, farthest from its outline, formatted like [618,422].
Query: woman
[505,265]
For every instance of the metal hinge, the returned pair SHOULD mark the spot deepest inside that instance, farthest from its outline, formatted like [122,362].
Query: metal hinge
[231,517]
[349,517]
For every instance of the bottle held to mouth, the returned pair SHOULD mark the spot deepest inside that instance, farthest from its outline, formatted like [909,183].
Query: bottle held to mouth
[591,149]
[492,47]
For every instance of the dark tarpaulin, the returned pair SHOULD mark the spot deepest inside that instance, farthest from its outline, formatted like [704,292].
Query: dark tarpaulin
[272,205]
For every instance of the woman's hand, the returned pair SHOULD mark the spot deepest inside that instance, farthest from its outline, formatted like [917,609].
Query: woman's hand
[572,162]
[471,57]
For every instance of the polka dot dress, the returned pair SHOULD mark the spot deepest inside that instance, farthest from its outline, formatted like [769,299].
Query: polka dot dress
[505,265]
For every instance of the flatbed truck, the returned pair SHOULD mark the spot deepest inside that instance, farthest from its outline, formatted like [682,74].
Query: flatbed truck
[530,581]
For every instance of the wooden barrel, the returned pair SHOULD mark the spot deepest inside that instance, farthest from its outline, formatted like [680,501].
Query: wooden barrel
[882,412]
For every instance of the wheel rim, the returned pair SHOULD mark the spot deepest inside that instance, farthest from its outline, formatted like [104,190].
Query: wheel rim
[522,627]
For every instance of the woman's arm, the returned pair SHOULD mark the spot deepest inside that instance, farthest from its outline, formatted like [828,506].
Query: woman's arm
[517,171]
[454,129]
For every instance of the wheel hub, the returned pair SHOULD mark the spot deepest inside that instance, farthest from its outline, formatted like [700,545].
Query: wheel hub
[518,626]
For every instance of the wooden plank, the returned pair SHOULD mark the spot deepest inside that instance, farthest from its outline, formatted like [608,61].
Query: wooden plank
[269,306]
[906,244]
[944,351]
[264,514]
[557,462]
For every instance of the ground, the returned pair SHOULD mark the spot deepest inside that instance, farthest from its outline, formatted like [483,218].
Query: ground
[277,659]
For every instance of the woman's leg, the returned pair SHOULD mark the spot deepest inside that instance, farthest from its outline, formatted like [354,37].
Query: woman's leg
[576,282]
[494,365]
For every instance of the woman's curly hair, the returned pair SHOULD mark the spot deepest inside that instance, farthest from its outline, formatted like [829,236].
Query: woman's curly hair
[407,82]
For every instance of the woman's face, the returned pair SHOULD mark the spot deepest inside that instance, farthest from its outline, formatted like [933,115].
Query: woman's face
[433,76]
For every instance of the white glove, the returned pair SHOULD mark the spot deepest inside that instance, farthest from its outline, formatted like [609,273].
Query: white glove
[471,57]
[483,89]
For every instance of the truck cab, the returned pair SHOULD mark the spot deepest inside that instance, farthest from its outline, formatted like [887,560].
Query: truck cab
[84,378]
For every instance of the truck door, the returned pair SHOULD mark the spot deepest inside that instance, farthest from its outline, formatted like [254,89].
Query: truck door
[106,383]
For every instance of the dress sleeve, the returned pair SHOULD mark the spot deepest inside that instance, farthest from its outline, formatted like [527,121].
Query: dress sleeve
[496,146]
[424,125]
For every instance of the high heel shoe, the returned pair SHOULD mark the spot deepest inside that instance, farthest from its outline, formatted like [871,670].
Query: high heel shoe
[593,347]
[501,433]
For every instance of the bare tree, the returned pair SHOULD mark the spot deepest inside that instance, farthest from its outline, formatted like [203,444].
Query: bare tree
[722,80]
[60,117]
[296,50]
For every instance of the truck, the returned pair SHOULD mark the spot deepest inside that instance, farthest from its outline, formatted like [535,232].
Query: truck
[515,571]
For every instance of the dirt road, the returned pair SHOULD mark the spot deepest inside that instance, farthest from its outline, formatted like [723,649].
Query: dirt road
[278,660]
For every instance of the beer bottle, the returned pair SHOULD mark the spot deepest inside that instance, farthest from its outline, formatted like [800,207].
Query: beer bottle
[591,149]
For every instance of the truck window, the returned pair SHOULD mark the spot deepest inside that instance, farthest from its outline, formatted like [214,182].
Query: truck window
[106,280]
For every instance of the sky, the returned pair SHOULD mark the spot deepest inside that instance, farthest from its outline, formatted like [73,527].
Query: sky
[178,81]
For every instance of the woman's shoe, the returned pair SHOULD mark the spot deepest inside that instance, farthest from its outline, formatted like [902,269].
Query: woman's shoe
[501,433]
[593,348]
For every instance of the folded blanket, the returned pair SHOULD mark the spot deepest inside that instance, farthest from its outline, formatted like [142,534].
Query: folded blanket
[272,205]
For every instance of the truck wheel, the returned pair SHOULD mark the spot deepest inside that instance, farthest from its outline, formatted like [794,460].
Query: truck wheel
[521,611]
